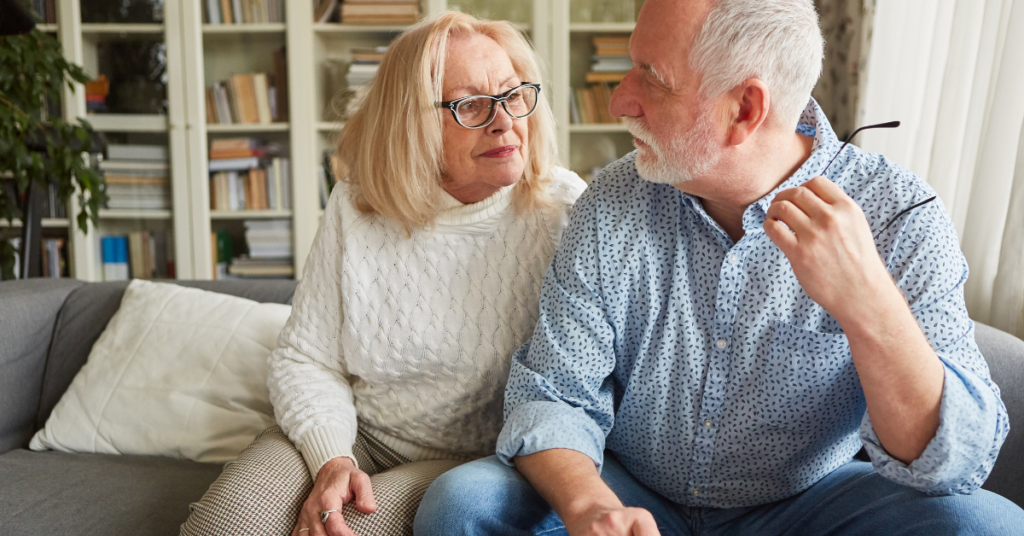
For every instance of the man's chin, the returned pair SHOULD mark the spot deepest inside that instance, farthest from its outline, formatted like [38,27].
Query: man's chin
[651,170]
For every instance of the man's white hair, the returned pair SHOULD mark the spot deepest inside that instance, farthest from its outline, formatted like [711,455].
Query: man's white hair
[777,41]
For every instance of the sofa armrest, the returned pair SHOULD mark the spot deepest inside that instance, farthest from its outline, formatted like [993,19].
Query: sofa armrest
[28,311]
[1005,356]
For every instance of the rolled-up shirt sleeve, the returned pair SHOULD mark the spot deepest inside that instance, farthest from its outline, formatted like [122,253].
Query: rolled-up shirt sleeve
[973,422]
[560,392]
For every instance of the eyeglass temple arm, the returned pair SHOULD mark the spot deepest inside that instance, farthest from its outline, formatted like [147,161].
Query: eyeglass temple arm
[890,124]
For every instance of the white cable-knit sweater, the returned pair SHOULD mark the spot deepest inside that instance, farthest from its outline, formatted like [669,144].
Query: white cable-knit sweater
[412,335]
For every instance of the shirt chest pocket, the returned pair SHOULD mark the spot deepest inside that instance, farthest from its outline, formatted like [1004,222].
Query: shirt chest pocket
[807,381]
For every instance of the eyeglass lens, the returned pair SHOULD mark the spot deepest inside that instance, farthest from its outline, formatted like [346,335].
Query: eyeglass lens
[479,110]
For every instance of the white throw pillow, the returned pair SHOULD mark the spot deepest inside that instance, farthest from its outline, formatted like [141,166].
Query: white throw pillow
[177,372]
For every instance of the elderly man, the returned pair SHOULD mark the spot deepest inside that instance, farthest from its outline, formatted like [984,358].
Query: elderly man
[726,324]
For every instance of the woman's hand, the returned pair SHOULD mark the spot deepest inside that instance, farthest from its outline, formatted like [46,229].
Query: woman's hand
[339,482]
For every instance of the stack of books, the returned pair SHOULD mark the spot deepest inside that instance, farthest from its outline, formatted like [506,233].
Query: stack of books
[251,98]
[609,65]
[610,61]
[137,177]
[138,255]
[364,66]
[270,250]
[246,174]
[244,11]
[380,11]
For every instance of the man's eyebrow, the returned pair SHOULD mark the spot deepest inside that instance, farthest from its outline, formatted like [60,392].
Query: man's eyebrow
[649,69]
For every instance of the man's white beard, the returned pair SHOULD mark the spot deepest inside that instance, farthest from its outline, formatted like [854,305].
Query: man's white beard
[680,159]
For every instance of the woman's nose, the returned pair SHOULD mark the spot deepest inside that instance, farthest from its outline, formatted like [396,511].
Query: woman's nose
[502,120]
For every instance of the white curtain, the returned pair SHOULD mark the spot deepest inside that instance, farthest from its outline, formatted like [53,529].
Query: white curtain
[953,72]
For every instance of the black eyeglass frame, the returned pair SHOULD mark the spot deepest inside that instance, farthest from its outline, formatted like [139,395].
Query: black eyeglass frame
[496,99]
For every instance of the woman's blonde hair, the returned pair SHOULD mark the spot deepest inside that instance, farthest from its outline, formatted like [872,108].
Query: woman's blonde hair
[391,149]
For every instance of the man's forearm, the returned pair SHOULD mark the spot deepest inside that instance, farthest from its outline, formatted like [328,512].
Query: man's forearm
[568,481]
[901,376]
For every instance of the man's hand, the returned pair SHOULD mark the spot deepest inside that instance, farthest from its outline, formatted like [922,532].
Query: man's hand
[613,522]
[338,482]
[830,247]
[569,482]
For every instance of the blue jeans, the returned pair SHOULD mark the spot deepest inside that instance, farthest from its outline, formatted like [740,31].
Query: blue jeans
[488,497]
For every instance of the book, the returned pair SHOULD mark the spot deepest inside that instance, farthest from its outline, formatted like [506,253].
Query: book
[234,164]
[156,153]
[262,93]
[137,168]
[226,12]
[593,77]
[281,84]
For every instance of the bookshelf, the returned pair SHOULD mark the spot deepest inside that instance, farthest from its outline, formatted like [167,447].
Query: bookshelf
[198,53]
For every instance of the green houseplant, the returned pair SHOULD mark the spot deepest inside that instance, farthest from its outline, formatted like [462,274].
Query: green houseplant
[33,72]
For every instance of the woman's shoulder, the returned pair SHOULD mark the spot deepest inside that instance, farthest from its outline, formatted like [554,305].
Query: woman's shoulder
[565,186]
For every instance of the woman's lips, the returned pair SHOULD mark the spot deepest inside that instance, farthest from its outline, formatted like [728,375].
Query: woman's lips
[501,152]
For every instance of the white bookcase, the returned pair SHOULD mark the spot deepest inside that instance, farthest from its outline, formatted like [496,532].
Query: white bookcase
[199,54]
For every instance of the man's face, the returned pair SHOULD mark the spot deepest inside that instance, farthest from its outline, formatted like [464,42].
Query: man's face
[674,129]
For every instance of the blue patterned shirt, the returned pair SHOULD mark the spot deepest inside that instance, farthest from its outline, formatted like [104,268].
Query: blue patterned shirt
[705,368]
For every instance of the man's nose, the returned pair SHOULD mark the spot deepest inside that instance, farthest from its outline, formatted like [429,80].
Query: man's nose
[624,101]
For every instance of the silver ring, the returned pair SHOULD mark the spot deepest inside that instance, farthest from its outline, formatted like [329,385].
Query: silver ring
[304,530]
[324,515]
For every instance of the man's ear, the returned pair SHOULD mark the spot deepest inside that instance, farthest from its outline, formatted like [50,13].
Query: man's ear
[749,107]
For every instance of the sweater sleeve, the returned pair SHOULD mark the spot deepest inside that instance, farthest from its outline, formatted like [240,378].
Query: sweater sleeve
[307,375]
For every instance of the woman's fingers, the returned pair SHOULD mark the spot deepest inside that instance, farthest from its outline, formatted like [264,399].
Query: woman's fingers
[363,491]
[336,526]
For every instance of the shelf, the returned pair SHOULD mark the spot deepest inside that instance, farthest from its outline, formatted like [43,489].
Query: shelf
[334,27]
[48,28]
[267,27]
[112,28]
[214,128]
[123,214]
[249,214]
[598,128]
[594,27]
[47,223]
[127,122]
[330,126]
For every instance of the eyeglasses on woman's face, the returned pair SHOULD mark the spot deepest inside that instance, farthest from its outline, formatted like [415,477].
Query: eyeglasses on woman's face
[477,111]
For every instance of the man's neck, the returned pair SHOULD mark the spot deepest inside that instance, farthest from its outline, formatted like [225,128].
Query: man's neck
[727,194]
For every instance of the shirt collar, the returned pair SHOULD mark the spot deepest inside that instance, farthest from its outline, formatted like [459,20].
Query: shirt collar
[812,120]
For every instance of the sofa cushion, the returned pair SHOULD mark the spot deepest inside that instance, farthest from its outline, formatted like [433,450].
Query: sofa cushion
[177,372]
[56,493]
[88,309]
[28,310]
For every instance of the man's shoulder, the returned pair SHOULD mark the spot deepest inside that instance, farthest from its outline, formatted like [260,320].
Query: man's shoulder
[619,187]
[882,187]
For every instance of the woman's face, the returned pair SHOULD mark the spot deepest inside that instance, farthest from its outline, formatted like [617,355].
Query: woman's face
[478,162]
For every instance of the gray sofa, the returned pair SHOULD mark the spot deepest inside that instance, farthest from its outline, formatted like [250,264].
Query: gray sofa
[47,328]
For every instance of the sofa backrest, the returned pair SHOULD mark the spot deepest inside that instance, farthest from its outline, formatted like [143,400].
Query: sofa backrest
[28,312]
[1005,356]
[48,328]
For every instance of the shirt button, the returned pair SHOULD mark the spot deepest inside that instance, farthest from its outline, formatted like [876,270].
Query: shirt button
[734,259]
[695,492]
[708,424]
[722,343]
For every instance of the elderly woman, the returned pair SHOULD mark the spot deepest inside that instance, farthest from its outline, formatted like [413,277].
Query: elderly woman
[425,273]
